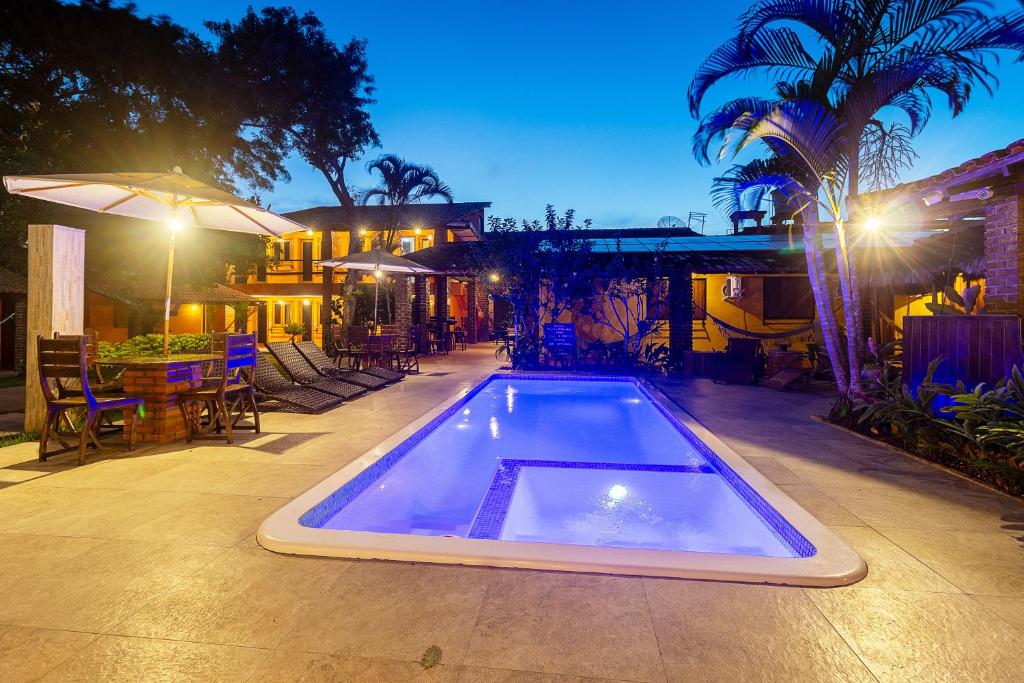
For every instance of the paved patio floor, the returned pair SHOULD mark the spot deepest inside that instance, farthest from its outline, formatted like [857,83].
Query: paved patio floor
[146,567]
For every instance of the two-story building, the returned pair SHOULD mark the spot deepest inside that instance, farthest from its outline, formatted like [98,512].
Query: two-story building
[291,289]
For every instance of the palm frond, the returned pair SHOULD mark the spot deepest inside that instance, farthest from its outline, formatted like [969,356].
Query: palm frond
[777,51]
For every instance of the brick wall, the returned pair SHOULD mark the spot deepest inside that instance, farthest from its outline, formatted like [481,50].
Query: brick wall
[473,311]
[403,305]
[484,312]
[1004,258]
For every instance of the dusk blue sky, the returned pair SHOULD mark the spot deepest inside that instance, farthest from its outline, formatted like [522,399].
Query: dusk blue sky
[578,104]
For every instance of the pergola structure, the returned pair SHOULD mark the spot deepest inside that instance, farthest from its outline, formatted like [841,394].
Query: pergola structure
[979,203]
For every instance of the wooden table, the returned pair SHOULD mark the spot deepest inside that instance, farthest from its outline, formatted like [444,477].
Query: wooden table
[158,380]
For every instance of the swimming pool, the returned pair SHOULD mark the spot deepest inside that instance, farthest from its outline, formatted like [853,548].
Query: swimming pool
[563,472]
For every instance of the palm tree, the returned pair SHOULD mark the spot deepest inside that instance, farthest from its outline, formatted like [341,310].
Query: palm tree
[852,64]
[402,183]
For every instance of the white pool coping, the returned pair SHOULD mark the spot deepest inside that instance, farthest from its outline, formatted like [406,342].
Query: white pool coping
[834,563]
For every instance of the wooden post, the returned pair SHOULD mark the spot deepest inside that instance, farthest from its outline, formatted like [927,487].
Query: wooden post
[56,300]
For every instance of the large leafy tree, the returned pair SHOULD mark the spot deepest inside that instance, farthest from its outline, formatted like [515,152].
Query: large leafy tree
[305,94]
[402,183]
[844,69]
[93,87]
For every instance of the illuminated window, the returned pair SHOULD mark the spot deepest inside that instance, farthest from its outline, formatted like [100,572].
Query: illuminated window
[408,245]
[282,313]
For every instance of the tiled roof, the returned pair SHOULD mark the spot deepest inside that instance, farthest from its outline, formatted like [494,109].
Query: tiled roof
[135,291]
[995,159]
[377,217]
[12,283]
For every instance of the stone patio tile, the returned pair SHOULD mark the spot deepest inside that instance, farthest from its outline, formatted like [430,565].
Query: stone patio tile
[303,666]
[982,563]
[197,475]
[472,674]
[113,658]
[28,653]
[279,480]
[914,636]
[98,513]
[393,610]
[823,508]
[563,623]
[245,597]
[889,565]
[113,473]
[29,552]
[773,470]
[1010,609]
[737,632]
[210,519]
[897,506]
[94,590]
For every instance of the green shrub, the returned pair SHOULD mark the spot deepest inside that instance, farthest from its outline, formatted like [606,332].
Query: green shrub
[980,432]
[153,345]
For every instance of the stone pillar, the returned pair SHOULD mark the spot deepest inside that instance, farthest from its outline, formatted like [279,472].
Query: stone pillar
[680,315]
[472,315]
[56,301]
[1004,255]
[403,306]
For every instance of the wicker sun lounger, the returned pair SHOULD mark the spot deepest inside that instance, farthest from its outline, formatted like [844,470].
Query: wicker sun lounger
[321,362]
[303,373]
[275,392]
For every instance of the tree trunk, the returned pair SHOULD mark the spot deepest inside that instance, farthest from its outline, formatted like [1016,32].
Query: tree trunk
[851,313]
[823,300]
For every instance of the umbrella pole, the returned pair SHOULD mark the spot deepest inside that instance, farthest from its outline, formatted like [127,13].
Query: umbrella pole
[376,289]
[167,295]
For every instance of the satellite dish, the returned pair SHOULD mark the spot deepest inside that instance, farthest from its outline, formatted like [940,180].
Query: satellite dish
[671,222]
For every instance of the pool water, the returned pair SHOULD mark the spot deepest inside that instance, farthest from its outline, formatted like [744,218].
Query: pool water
[566,461]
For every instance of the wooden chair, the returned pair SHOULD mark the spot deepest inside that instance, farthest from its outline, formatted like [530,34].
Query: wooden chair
[222,402]
[357,339]
[742,362]
[65,362]
[406,351]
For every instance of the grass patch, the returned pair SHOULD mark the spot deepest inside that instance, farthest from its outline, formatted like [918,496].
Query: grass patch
[15,439]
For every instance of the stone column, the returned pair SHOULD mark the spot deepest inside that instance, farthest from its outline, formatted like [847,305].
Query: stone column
[680,315]
[403,306]
[56,301]
[472,314]
[1004,255]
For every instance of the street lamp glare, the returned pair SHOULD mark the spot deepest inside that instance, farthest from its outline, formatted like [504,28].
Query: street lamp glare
[873,224]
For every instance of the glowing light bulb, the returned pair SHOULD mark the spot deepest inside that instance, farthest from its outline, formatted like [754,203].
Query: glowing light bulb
[617,492]
[378,274]
[417,230]
[309,232]
[175,224]
[305,302]
[873,224]
[494,277]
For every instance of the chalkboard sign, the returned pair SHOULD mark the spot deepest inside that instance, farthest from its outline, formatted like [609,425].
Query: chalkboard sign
[560,337]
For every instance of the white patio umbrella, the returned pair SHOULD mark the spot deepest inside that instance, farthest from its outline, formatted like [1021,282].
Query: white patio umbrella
[171,198]
[379,261]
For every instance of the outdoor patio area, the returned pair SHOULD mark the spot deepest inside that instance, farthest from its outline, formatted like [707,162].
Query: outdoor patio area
[146,566]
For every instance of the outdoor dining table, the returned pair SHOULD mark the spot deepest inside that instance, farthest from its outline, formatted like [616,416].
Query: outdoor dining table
[158,380]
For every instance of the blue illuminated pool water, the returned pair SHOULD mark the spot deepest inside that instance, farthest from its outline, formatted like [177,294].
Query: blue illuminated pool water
[569,461]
